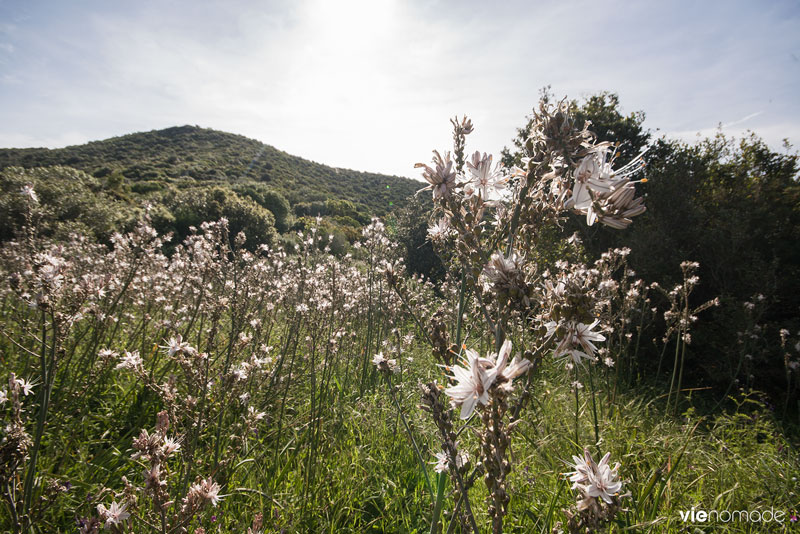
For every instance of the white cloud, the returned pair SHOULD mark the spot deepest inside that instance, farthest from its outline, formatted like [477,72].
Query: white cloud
[371,84]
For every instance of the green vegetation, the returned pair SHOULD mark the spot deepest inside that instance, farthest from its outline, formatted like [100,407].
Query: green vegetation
[155,168]
[201,334]
[733,207]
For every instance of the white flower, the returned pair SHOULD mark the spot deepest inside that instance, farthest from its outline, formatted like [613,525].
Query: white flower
[474,378]
[255,415]
[604,194]
[595,480]
[507,372]
[441,463]
[578,335]
[485,182]
[476,375]
[169,446]
[131,360]
[27,387]
[177,345]
[114,515]
[378,359]
[3,396]
[440,230]
[240,373]
[28,191]
[208,490]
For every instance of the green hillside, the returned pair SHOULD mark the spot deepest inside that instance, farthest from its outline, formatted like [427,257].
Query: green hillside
[190,174]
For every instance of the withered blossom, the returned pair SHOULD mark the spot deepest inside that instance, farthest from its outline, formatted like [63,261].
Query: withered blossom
[441,177]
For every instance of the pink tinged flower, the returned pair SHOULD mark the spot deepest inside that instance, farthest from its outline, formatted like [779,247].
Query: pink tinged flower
[583,469]
[578,335]
[113,515]
[442,178]
[208,490]
[595,479]
[473,380]
[441,462]
[485,182]
[440,230]
[585,336]
[170,446]
[176,345]
[604,481]
[442,465]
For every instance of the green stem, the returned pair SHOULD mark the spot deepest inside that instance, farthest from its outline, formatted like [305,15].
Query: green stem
[441,478]
[30,476]
[594,409]
[410,436]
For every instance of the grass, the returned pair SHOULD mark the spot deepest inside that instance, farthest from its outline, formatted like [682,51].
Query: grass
[333,451]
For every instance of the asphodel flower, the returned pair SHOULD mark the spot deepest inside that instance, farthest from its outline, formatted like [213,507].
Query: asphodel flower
[595,479]
[477,375]
[441,177]
[604,194]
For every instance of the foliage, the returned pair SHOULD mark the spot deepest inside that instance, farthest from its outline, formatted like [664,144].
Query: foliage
[412,233]
[189,153]
[734,207]
[70,201]
[195,206]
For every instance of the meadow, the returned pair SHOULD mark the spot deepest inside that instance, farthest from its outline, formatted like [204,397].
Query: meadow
[209,386]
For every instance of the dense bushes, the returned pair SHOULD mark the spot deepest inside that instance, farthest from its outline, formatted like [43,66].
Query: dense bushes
[734,207]
[193,207]
[205,155]
[67,200]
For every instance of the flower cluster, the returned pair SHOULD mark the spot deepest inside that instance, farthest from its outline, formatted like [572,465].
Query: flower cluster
[598,486]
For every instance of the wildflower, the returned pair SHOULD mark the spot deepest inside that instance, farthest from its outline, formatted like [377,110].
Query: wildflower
[113,515]
[28,191]
[176,345]
[595,479]
[442,463]
[208,490]
[485,182]
[577,334]
[440,230]
[507,372]
[170,445]
[131,360]
[505,274]
[27,387]
[3,396]
[384,364]
[255,415]
[604,194]
[442,179]
[474,379]
[240,373]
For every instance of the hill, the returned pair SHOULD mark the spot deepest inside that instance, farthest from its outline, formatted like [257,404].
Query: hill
[186,175]
[191,153]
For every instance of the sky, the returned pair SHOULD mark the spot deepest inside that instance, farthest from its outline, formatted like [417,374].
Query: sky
[371,84]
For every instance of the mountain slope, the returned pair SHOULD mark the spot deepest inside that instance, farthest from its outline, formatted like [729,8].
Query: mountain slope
[186,155]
